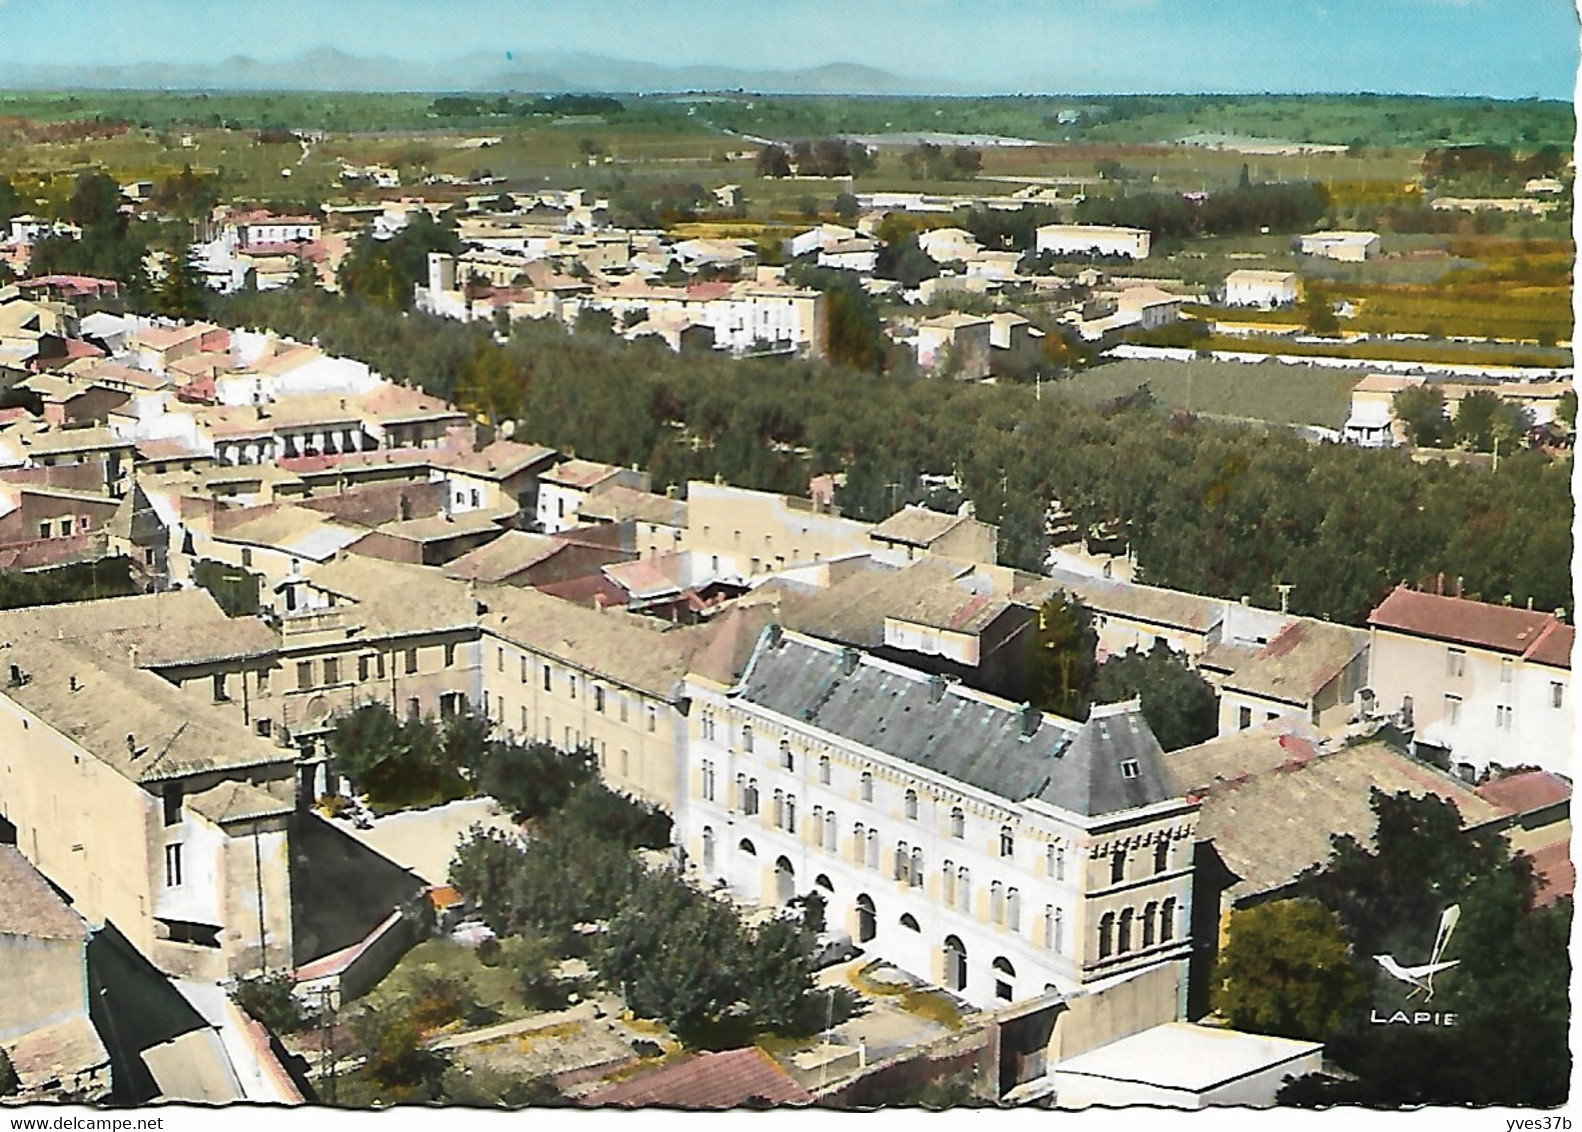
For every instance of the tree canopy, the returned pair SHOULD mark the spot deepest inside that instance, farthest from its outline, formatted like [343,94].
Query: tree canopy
[1179,705]
[1285,970]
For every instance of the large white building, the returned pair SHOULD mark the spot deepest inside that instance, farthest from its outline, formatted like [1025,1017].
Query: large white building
[1262,289]
[1093,239]
[993,849]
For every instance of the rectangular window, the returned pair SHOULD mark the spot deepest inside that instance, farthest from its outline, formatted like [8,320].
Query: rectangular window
[43,530]
[524,670]
[173,865]
[1455,663]
[379,664]
[450,656]
[332,670]
[411,661]
[1452,710]
[499,660]
[362,669]
[263,679]
[1557,694]
[172,799]
[1507,666]
[571,683]
[525,724]
[598,699]
[547,686]
[622,701]
[221,694]
[1244,718]
[304,675]
[653,719]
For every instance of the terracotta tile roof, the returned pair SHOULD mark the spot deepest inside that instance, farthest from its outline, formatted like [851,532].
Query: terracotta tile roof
[1557,874]
[1526,791]
[1501,628]
[708,1081]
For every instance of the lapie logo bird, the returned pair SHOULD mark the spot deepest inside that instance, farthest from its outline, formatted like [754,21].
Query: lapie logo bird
[1421,977]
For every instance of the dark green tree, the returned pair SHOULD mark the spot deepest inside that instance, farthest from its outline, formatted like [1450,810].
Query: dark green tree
[183,292]
[1179,705]
[1060,660]
[1422,411]
[1285,971]
[778,975]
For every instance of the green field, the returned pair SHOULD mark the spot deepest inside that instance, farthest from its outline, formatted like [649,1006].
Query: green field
[1270,391]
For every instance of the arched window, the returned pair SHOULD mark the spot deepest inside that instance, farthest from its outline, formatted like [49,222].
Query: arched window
[780,809]
[1013,909]
[831,832]
[859,842]
[916,875]
[787,759]
[818,822]
[708,848]
[909,922]
[740,798]
[751,805]
[948,885]
[1004,973]
[1161,855]
[1124,943]
[958,823]
[911,805]
[1106,935]
[1054,928]
[1060,863]
[867,919]
[996,902]
[1167,920]
[1117,866]
[747,847]
[823,770]
[822,881]
[790,814]
[903,860]
[867,786]
[1007,841]
[955,964]
[873,848]
[964,888]
[1148,923]
[747,738]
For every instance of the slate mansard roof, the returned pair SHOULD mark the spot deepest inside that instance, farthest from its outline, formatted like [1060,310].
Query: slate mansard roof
[1107,765]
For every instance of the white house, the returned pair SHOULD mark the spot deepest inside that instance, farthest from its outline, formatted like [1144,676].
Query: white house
[993,849]
[1263,289]
[1093,239]
[1347,247]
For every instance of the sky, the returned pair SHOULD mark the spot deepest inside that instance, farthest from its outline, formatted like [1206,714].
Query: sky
[1502,48]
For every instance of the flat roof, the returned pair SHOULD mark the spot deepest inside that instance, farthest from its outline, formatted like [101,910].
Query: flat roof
[1191,1058]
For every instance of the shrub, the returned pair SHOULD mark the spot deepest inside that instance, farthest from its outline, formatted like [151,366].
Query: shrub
[268,999]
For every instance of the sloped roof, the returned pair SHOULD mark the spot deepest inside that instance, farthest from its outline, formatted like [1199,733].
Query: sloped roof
[501,460]
[618,503]
[1174,609]
[917,526]
[511,553]
[1299,661]
[707,1081]
[580,473]
[972,738]
[293,529]
[1271,800]
[1557,873]
[30,907]
[1525,792]
[1502,628]
[236,801]
[394,598]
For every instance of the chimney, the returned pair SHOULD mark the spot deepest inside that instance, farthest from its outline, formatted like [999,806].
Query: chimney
[1031,718]
[131,654]
[71,682]
[936,688]
[776,636]
[18,677]
[131,744]
[848,660]
[1246,600]
[598,602]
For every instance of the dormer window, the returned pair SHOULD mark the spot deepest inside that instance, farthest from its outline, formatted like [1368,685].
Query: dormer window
[1129,769]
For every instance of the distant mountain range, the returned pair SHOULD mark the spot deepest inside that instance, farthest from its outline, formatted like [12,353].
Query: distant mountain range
[327,69]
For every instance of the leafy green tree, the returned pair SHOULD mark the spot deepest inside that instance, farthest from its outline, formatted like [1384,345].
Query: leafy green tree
[846,207]
[531,960]
[1060,661]
[1482,418]
[397,1059]
[905,261]
[677,953]
[269,1000]
[1318,311]
[1179,705]
[10,201]
[95,204]
[1422,411]
[9,1081]
[778,974]
[1285,971]
[1566,411]
[1508,988]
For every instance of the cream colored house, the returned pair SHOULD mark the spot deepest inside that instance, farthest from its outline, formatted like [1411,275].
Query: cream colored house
[151,808]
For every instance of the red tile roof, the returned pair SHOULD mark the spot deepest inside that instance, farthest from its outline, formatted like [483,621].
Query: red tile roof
[1498,627]
[709,1081]
[1526,791]
[1557,875]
